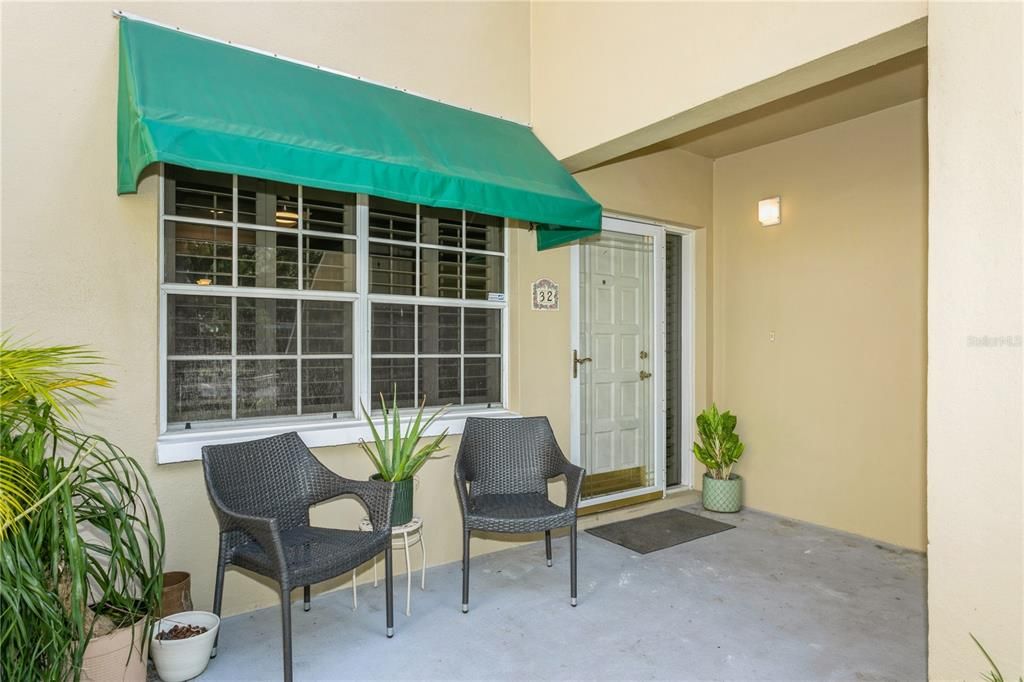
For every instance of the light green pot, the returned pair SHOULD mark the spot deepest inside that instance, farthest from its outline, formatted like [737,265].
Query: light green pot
[723,496]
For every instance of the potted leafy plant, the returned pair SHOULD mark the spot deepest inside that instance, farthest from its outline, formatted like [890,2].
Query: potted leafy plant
[395,455]
[718,450]
[82,538]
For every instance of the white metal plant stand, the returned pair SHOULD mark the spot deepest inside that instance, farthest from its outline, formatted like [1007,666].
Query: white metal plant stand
[402,537]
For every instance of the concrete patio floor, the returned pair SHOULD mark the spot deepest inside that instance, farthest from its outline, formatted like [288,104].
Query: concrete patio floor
[772,599]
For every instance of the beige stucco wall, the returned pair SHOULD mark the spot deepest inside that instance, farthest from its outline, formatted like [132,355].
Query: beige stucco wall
[975,407]
[468,53]
[604,69]
[832,411]
[79,263]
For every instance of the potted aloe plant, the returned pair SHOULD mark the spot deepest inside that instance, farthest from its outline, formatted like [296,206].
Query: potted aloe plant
[395,455]
[718,450]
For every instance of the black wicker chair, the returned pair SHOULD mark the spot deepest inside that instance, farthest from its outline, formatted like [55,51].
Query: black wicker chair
[261,492]
[501,475]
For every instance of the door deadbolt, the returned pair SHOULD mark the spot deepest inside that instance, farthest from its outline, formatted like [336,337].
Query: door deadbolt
[643,355]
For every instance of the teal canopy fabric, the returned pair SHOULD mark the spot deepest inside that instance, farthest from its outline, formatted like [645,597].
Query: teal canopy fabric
[195,102]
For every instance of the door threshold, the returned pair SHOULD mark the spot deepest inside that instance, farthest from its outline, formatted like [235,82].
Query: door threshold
[618,504]
[612,482]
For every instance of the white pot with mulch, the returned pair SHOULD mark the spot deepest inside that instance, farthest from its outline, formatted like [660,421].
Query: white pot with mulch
[181,644]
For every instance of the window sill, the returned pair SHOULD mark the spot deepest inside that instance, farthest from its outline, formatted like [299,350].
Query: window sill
[187,446]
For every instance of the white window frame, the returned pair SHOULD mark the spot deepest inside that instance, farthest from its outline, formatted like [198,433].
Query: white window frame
[178,444]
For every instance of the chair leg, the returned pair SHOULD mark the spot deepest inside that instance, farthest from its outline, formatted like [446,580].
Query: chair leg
[286,631]
[305,598]
[547,546]
[465,570]
[389,589]
[218,597]
[572,564]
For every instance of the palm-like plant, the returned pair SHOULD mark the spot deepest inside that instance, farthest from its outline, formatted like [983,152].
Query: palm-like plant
[18,489]
[56,376]
[719,447]
[82,538]
[53,377]
[394,454]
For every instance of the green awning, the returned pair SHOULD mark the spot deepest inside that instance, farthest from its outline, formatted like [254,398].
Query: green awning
[196,102]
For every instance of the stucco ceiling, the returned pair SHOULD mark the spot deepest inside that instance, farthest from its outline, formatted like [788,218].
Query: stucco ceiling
[884,85]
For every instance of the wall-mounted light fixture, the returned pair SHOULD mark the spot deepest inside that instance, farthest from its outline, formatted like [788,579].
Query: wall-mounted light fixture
[286,218]
[769,211]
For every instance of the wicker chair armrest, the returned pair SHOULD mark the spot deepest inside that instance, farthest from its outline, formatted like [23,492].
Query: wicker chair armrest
[326,485]
[573,484]
[462,488]
[262,530]
[376,496]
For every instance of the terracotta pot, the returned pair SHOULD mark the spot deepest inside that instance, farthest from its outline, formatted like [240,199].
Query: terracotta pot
[177,595]
[117,657]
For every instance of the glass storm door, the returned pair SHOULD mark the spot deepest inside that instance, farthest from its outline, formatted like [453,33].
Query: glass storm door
[615,361]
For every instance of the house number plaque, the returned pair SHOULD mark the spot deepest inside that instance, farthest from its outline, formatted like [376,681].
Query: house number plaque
[545,294]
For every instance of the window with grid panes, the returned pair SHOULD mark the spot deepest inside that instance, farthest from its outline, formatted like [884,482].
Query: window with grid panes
[266,299]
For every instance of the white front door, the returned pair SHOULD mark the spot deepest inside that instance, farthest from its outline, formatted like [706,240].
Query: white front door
[615,360]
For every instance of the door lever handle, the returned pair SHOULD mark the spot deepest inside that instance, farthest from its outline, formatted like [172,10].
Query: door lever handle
[644,375]
[576,362]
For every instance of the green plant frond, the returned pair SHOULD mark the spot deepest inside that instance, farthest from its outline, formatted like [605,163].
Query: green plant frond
[377,464]
[396,435]
[378,457]
[385,454]
[373,428]
[994,675]
[415,433]
[57,376]
[395,455]
[434,416]
[428,451]
[36,504]
[89,536]
[425,453]
[18,490]
[412,432]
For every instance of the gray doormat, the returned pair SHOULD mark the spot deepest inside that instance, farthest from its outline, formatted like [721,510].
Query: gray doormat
[647,534]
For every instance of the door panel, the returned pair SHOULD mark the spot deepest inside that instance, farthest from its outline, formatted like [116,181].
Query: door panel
[617,398]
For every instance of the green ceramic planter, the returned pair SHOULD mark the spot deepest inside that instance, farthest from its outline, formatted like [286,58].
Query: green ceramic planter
[723,496]
[401,506]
